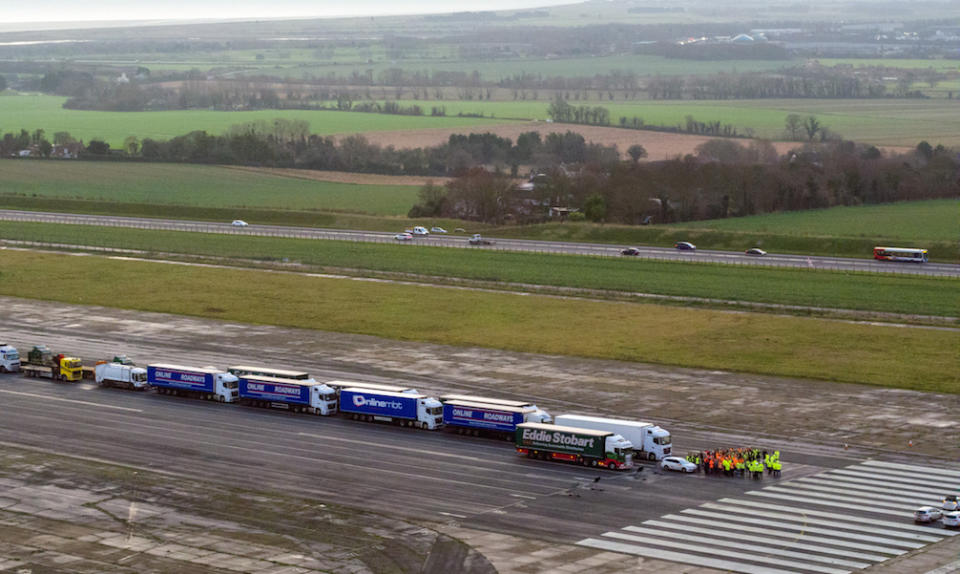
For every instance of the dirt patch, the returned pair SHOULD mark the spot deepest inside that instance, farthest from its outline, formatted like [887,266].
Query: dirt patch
[659,145]
[344,177]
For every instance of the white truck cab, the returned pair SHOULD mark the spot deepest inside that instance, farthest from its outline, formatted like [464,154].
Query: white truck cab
[323,399]
[648,439]
[227,387]
[9,359]
[120,375]
[430,413]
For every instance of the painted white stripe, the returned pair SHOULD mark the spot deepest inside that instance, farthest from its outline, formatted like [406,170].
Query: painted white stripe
[804,528]
[908,475]
[700,540]
[874,521]
[680,557]
[946,568]
[952,487]
[725,553]
[954,473]
[869,485]
[86,403]
[859,507]
[864,501]
[904,478]
[919,501]
[739,535]
[797,516]
[789,535]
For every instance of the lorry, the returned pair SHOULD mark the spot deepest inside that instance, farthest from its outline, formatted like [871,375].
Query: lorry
[500,421]
[577,445]
[292,394]
[207,383]
[478,239]
[403,408]
[41,362]
[540,416]
[9,359]
[373,387]
[649,440]
[116,374]
[240,370]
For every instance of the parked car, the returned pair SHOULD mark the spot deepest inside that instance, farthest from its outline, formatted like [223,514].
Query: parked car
[755,251]
[951,519]
[437,230]
[459,230]
[403,237]
[630,251]
[420,230]
[239,223]
[678,464]
[927,514]
[950,503]
[685,246]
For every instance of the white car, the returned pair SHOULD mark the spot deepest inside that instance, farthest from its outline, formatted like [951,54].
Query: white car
[677,463]
[951,519]
[927,514]
[418,230]
[950,503]
[403,237]
[239,223]
[756,252]
[437,230]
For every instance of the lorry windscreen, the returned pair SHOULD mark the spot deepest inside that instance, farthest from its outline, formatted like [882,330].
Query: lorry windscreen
[140,377]
[662,440]
[435,411]
[229,384]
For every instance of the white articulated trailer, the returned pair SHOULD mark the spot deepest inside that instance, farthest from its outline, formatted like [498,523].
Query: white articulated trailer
[648,439]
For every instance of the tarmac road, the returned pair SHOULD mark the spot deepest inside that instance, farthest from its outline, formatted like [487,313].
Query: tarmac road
[661,253]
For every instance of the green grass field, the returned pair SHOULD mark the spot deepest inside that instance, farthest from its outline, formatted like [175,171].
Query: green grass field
[871,292]
[909,222]
[39,111]
[196,185]
[747,342]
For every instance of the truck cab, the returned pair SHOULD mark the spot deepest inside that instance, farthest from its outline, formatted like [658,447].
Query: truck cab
[323,398]
[430,413]
[70,368]
[619,452]
[657,443]
[226,387]
[9,359]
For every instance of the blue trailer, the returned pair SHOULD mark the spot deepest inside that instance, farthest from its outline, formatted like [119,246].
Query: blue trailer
[199,382]
[468,417]
[296,395]
[405,408]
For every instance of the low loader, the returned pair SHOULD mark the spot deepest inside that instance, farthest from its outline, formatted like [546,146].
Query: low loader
[569,444]
[42,363]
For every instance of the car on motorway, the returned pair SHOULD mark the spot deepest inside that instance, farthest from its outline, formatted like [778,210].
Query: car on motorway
[678,464]
[459,230]
[951,519]
[927,514]
[437,230]
[420,230]
[755,251]
[633,251]
[239,223]
[478,239]
[950,503]
[403,236]
[685,246]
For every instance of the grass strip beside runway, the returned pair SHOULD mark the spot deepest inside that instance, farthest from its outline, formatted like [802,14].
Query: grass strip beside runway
[829,289]
[920,359]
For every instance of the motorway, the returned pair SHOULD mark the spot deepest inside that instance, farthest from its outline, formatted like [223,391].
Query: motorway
[522,245]
[831,512]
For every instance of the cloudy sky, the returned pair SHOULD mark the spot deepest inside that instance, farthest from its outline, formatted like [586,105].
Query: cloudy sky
[74,10]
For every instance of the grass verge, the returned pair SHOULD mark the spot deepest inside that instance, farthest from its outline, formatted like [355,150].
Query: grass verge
[836,290]
[757,343]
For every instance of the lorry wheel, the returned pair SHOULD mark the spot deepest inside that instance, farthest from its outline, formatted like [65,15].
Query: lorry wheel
[221,399]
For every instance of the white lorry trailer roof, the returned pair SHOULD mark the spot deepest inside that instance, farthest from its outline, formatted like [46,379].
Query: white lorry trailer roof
[401,394]
[578,430]
[485,400]
[211,370]
[367,386]
[602,420]
[265,372]
[479,405]
[280,381]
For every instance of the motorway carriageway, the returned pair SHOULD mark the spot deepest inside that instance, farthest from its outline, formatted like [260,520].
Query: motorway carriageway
[524,245]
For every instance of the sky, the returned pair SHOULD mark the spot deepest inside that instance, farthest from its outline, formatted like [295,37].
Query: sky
[99,10]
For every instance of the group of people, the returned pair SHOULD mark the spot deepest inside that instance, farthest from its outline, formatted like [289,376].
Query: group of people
[737,462]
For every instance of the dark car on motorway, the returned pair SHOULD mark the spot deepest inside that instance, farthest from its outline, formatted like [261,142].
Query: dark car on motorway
[685,246]
[630,251]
